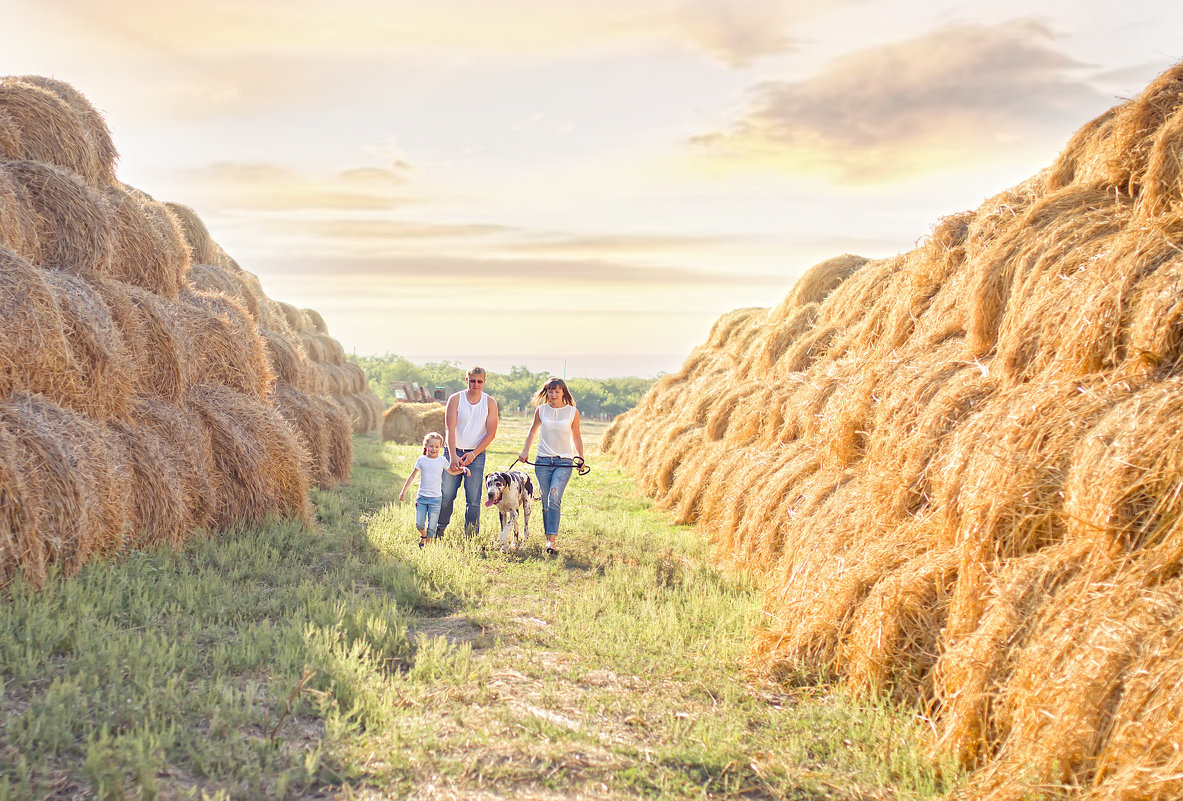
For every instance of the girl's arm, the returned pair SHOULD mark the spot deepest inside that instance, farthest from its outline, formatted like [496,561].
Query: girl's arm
[576,434]
[524,456]
[410,478]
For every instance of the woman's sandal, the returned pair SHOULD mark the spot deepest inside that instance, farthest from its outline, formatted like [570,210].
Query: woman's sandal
[550,550]
[422,540]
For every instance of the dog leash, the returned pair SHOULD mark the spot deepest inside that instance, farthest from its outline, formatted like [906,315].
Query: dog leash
[577,462]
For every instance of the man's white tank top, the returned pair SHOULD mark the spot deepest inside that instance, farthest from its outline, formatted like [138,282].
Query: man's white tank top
[470,421]
[554,436]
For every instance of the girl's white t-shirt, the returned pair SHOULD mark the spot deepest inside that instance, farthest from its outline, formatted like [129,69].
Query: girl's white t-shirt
[554,437]
[431,475]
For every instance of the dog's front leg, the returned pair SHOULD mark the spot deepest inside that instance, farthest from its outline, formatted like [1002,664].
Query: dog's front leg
[507,520]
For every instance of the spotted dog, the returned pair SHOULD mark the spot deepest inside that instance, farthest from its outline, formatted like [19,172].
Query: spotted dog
[510,492]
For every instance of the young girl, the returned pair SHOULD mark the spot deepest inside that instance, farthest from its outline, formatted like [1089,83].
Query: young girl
[431,467]
[556,420]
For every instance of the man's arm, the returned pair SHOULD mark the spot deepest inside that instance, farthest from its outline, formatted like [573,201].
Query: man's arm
[450,429]
[490,428]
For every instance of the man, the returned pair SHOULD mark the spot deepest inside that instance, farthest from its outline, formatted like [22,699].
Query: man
[470,422]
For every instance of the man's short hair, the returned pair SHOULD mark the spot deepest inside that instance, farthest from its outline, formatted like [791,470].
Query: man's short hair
[475,371]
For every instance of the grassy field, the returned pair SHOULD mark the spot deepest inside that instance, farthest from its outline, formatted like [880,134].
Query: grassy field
[345,662]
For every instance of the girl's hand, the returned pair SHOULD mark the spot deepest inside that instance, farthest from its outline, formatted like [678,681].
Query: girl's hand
[524,456]
[402,495]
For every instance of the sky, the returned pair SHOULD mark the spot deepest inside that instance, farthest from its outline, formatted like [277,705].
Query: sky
[579,188]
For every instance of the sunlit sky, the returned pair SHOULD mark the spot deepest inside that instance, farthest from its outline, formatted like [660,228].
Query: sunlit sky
[578,187]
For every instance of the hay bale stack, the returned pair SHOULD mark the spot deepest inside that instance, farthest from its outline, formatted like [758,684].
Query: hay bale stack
[409,423]
[958,469]
[139,361]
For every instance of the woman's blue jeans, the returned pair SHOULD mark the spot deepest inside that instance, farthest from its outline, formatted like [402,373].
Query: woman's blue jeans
[474,489]
[553,473]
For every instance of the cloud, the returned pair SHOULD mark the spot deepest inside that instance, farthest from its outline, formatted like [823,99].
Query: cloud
[234,186]
[566,274]
[889,111]
[734,32]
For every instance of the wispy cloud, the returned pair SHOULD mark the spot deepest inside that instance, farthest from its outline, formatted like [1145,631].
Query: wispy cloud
[235,186]
[881,113]
[733,32]
[566,274]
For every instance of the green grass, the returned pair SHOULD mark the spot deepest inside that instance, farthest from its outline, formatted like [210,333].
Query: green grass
[280,662]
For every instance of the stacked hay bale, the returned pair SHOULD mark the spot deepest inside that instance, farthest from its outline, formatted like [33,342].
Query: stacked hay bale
[409,423]
[137,401]
[959,469]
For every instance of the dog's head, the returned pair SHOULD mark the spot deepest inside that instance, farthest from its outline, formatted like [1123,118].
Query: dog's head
[495,485]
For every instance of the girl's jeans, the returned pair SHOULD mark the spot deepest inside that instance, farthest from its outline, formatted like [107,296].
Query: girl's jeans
[427,512]
[553,473]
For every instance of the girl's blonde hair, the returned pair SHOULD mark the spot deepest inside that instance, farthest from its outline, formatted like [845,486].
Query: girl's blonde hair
[430,436]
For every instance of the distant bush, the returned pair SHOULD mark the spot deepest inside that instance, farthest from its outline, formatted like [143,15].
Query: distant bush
[611,396]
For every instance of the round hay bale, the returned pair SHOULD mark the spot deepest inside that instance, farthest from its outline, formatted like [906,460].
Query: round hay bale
[158,346]
[312,347]
[316,321]
[94,126]
[72,223]
[187,445]
[99,357]
[228,347]
[408,423]
[297,321]
[146,245]
[214,279]
[298,410]
[262,465]
[18,227]
[338,428]
[330,349]
[51,132]
[22,549]
[289,364]
[10,137]
[160,513]
[34,353]
[77,485]
[202,248]
[820,280]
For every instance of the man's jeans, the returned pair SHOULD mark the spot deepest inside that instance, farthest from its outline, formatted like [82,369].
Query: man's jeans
[474,486]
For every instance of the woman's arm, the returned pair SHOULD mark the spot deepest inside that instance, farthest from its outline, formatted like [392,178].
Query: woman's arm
[524,456]
[410,478]
[576,434]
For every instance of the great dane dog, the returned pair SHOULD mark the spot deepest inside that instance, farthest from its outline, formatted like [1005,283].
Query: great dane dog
[511,492]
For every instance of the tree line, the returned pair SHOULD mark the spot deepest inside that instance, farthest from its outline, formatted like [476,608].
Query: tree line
[512,390]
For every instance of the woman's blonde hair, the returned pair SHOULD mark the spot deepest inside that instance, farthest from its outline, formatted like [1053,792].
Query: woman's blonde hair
[430,436]
[551,383]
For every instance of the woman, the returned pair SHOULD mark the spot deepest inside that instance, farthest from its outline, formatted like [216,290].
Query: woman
[556,421]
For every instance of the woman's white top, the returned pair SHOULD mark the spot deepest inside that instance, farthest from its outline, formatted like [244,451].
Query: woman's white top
[431,475]
[471,419]
[554,436]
